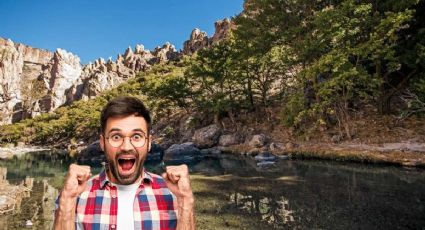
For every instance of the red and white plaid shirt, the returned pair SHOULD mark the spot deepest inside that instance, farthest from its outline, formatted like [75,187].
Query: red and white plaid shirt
[155,207]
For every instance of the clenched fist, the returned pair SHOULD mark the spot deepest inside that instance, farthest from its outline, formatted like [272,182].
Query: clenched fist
[75,181]
[178,181]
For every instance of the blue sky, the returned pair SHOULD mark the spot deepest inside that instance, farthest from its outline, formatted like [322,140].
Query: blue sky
[94,28]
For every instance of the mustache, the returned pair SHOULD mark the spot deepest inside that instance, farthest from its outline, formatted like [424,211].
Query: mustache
[131,152]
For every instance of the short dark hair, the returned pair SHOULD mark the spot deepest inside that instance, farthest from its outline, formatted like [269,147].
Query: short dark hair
[124,106]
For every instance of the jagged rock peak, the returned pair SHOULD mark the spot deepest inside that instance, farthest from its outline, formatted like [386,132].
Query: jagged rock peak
[199,39]
[139,49]
[128,52]
[222,28]
[68,57]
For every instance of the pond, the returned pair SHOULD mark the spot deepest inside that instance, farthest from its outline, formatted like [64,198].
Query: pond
[233,192]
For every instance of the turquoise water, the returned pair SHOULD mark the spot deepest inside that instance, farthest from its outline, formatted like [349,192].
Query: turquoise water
[233,193]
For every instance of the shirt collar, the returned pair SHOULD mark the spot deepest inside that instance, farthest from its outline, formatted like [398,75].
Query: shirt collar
[146,178]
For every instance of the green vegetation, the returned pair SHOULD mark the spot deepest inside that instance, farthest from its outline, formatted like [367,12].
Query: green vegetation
[322,62]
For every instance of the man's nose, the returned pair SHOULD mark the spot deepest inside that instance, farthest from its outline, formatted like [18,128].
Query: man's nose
[126,145]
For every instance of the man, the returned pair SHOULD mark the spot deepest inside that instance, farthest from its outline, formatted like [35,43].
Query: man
[124,195]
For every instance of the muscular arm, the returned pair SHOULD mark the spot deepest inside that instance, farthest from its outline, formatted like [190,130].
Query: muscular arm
[186,216]
[75,183]
[65,214]
[178,181]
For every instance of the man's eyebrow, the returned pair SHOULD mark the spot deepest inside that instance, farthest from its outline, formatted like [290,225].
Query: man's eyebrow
[139,130]
[134,130]
[114,129]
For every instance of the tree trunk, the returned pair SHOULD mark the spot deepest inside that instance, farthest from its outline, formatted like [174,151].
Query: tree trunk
[250,96]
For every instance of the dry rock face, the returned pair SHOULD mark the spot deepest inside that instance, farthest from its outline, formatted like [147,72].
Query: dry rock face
[222,28]
[199,39]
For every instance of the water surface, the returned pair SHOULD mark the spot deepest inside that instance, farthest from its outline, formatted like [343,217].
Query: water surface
[233,193]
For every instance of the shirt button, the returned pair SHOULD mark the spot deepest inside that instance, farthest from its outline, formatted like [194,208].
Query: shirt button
[113,226]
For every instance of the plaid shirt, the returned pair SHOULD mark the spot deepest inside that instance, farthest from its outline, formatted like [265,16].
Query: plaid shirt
[155,207]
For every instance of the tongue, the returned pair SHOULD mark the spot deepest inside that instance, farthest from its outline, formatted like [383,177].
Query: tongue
[126,164]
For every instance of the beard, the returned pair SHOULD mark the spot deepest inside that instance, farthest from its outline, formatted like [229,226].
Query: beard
[114,167]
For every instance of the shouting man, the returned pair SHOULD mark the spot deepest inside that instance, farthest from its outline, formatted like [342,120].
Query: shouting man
[124,195]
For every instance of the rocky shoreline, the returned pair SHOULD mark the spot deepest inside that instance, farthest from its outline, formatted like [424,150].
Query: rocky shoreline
[9,152]
[209,142]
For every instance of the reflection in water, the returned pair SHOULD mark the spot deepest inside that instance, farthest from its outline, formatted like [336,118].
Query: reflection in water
[11,195]
[28,203]
[275,212]
[26,183]
[234,193]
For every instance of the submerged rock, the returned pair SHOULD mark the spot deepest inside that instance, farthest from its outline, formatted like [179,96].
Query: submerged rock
[265,157]
[265,164]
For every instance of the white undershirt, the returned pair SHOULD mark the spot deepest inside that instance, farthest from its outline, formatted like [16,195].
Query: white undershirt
[126,195]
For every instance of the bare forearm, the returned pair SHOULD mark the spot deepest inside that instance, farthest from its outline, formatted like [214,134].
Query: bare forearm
[65,215]
[186,216]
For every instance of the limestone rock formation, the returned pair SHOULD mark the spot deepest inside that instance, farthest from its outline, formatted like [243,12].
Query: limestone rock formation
[102,75]
[198,39]
[164,54]
[33,80]
[65,71]
[222,28]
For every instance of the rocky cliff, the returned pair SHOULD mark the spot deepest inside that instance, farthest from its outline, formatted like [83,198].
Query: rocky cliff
[35,81]
[199,39]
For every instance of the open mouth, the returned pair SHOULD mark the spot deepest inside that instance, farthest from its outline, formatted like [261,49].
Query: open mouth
[126,163]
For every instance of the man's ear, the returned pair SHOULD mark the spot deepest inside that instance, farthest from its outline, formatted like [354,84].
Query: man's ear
[149,145]
[102,142]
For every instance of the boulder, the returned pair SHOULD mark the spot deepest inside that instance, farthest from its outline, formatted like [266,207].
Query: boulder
[291,145]
[156,153]
[266,156]
[336,139]
[207,137]
[181,153]
[266,164]
[228,139]
[258,141]
[92,155]
[276,147]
